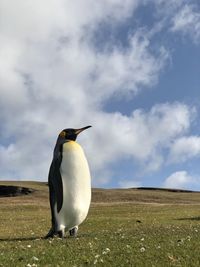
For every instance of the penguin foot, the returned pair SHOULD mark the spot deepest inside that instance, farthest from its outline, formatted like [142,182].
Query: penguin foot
[50,234]
[73,232]
[61,233]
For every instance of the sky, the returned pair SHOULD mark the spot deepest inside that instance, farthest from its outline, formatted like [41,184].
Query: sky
[130,68]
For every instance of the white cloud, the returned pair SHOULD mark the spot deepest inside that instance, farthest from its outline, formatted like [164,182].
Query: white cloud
[53,16]
[184,148]
[122,71]
[52,76]
[179,16]
[180,180]
[187,21]
[143,136]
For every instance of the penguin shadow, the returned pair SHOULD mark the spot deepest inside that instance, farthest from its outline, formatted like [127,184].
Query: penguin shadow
[83,235]
[189,219]
[21,239]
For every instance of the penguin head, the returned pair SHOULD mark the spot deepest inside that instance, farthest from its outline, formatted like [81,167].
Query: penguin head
[71,134]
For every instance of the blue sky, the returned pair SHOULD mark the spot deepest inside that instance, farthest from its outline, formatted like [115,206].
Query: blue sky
[130,69]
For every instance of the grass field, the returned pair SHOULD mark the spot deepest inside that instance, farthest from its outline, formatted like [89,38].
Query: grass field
[123,228]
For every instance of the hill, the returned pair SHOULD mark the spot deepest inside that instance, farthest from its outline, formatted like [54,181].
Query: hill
[125,227]
[39,191]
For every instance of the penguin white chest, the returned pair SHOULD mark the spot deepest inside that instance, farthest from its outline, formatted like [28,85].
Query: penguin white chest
[76,181]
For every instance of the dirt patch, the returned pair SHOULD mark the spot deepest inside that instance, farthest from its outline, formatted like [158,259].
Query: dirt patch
[13,191]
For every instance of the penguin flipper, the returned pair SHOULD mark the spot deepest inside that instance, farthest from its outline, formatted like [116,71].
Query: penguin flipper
[59,190]
[55,183]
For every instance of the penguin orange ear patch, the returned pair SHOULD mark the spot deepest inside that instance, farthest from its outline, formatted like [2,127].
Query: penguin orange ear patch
[62,134]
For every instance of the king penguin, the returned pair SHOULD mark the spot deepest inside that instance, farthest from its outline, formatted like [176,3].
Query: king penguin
[69,184]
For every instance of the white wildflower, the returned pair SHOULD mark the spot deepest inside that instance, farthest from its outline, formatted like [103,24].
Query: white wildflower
[28,246]
[106,251]
[97,256]
[142,249]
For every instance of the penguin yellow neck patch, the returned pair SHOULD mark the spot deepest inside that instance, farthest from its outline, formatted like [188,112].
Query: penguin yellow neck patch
[71,144]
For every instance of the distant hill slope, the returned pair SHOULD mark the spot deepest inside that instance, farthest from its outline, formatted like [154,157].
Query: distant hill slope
[34,191]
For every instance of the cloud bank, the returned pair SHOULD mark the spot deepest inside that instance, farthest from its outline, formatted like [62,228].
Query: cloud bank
[53,75]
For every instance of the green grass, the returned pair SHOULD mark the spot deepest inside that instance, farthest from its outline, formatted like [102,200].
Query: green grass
[117,232]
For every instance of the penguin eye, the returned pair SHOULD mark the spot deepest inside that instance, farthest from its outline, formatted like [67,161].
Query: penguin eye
[62,134]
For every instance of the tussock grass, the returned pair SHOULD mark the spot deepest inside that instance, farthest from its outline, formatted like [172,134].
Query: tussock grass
[123,228]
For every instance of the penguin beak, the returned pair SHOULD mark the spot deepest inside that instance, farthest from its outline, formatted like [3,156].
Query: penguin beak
[78,131]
